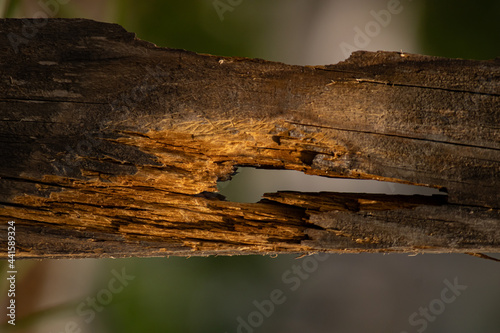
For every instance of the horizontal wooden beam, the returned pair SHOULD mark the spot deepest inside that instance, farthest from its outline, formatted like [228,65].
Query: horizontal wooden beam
[112,147]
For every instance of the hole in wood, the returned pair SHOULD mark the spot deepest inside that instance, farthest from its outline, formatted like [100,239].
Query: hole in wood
[249,184]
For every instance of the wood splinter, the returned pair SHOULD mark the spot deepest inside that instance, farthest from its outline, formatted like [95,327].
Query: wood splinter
[112,147]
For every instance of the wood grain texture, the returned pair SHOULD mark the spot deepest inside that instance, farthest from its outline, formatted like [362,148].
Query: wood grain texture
[111,146]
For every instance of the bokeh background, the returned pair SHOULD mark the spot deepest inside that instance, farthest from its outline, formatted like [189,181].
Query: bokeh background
[344,293]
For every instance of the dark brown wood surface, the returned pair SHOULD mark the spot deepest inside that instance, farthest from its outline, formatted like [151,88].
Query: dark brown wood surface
[111,146]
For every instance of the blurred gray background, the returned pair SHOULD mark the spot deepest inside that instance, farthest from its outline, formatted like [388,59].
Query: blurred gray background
[340,293]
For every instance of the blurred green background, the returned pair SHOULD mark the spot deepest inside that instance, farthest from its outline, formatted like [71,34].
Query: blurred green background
[346,293]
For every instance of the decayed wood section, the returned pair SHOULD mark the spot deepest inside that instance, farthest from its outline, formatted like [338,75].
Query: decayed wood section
[111,146]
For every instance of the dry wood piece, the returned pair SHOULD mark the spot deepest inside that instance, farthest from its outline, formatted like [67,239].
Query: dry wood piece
[111,146]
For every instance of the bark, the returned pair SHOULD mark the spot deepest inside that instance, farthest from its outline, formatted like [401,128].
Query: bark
[112,147]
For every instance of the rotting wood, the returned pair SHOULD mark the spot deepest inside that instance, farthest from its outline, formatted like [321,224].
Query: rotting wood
[112,147]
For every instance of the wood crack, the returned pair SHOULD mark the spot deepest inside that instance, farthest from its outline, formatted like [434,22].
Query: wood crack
[396,135]
[31,100]
[34,181]
[394,84]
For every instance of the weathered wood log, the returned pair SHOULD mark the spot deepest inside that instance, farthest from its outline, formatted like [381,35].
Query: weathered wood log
[111,146]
